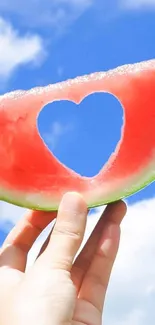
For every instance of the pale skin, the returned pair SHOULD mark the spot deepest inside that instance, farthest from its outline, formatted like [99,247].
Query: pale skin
[57,290]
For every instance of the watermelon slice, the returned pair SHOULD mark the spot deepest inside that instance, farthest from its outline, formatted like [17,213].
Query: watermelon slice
[32,177]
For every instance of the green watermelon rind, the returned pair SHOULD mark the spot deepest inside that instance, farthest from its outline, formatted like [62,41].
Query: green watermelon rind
[54,207]
[120,189]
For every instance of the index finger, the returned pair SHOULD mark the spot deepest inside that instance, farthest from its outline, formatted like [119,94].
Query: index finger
[21,238]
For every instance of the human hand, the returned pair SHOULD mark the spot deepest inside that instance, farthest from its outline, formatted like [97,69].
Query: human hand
[56,291]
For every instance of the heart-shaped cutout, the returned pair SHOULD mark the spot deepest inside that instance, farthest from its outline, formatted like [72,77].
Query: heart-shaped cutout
[82,136]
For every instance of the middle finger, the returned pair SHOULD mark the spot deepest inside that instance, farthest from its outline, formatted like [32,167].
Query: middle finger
[83,261]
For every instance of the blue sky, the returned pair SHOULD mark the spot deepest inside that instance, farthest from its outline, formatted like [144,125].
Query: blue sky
[70,38]
[46,42]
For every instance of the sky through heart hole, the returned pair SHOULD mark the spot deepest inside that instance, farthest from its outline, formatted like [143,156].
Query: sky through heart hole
[78,134]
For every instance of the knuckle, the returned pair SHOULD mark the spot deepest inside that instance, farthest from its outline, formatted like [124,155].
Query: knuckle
[97,279]
[67,230]
[63,264]
[107,252]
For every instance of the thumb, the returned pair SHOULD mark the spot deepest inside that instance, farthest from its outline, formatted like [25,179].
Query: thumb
[67,234]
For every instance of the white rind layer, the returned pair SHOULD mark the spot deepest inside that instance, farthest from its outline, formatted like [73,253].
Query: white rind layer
[103,193]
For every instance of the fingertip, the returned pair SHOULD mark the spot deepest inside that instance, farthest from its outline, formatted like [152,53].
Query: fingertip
[121,205]
[122,209]
[115,212]
[73,201]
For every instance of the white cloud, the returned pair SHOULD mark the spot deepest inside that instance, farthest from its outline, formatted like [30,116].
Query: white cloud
[135,318]
[9,215]
[57,131]
[56,13]
[16,49]
[131,294]
[138,4]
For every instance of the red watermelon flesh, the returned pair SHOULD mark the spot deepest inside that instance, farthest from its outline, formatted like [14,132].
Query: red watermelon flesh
[32,177]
